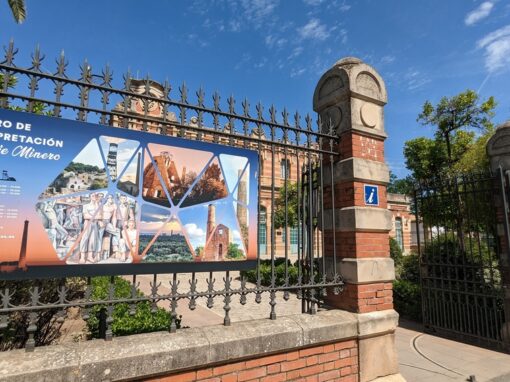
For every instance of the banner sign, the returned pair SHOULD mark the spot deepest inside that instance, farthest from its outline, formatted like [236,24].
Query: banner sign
[83,199]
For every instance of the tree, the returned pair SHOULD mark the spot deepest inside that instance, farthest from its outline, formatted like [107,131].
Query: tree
[400,186]
[234,252]
[18,10]
[292,206]
[463,124]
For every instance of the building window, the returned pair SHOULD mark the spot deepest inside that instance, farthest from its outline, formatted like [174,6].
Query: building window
[285,169]
[262,226]
[399,237]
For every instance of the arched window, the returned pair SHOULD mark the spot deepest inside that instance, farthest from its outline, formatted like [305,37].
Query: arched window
[399,236]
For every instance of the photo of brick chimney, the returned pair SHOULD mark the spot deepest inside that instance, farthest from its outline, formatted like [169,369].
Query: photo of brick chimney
[218,237]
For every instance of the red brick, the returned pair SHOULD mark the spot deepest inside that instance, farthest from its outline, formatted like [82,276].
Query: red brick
[329,366]
[345,345]
[329,348]
[311,370]
[312,360]
[311,351]
[266,360]
[183,377]
[229,378]
[292,365]
[272,369]
[345,371]
[291,375]
[204,373]
[326,376]
[214,379]
[251,374]
[292,355]
[312,378]
[275,378]
[225,369]
[329,357]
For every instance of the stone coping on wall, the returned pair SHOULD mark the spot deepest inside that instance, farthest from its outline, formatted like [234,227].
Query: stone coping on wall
[152,354]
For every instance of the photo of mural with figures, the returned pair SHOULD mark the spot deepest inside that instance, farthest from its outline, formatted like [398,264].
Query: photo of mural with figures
[127,198]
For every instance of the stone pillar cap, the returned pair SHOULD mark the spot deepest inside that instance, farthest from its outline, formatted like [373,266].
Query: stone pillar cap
[348,61]
[498,147]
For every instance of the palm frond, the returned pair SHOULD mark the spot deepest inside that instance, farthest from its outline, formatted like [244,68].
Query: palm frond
[18,10]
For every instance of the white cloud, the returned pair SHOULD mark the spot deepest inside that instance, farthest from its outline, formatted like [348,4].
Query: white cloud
[415,79]
[258,10]
[314,30]
[497,49]
[479,13]
[297,72]
[194,231]
[296,52]
[388,59]
[313,2]
[236,235]
[273,41]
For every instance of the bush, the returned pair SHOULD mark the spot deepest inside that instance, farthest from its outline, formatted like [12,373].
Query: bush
[265,272]
[409,269]
[47,321]
[143,320]
[407,299]
[395,252]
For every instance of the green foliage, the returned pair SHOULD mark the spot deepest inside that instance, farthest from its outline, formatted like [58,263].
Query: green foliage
[407,299]
[396,252]
[409,268]
[166,248]
[48,328]
[81,168]
[143,321]
[234,252]
[265,272]
[292,206]
[400,186]
[463,126]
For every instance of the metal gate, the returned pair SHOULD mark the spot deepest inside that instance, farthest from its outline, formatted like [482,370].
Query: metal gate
[462,293]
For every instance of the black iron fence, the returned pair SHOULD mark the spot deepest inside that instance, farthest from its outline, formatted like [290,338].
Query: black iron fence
[462,290]
[29,309]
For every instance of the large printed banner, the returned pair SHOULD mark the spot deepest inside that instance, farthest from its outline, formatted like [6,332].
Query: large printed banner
[83,199]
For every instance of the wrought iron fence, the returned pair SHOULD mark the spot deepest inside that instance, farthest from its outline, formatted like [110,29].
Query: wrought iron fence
[294,196]
[462,292]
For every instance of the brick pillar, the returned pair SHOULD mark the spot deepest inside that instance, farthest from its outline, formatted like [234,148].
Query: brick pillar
[498,150]
[351,95]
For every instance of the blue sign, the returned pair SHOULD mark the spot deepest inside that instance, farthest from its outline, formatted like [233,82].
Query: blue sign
[371,195]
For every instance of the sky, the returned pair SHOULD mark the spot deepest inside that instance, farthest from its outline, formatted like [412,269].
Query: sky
[275,51]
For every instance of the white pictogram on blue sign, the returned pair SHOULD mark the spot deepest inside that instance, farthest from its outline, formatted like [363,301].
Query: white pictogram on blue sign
[371,195]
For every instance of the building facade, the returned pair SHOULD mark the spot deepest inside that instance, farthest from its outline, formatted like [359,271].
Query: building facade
[403,222]
[276,165]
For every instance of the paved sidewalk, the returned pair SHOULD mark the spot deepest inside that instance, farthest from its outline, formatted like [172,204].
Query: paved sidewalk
[427,358]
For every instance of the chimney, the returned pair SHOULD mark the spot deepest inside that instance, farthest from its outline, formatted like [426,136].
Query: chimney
[183,177]
[23,251]
[139,162]
[211,221]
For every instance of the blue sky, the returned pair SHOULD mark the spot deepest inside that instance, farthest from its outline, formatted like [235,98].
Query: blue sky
[274,51]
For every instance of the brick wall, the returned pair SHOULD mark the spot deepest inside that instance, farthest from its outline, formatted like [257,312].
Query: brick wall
[331,362]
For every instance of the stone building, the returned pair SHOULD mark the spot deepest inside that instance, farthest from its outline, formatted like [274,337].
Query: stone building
[218,238]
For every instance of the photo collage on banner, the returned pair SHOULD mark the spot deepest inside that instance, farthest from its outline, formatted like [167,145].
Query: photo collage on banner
[86,217]
[118,202]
